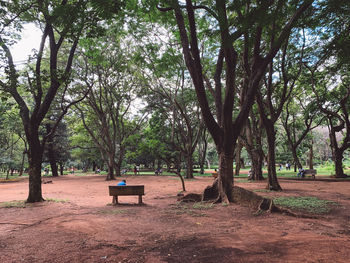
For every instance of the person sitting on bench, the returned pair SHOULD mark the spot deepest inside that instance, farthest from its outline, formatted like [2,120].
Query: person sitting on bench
[301,172]
[122,183]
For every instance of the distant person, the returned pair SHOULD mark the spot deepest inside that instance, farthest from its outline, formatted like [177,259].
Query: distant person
[122,183]
[280,169]
[158,171]
[135,170]
[301,172]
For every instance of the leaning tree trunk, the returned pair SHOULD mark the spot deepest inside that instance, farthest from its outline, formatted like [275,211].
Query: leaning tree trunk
[272,175]
[35,155]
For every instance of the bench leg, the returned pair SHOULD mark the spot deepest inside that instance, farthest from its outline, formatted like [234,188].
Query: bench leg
[140,199]
[313,177]
[115,199]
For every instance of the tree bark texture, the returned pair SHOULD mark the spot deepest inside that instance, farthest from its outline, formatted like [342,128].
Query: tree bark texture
[272,183]
[225,179]
[35,156]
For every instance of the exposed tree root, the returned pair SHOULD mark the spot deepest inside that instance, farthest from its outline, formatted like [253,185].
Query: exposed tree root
[243,197]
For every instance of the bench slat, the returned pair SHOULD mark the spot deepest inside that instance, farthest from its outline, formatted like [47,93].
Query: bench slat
[310,171]
[116,190]
[126,190]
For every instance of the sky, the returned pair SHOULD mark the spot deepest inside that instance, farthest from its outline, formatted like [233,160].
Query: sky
[31,36]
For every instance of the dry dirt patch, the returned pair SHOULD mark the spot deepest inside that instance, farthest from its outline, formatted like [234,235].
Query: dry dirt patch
[85,228]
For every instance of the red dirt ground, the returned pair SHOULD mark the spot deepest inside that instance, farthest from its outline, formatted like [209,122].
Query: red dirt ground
[86,228]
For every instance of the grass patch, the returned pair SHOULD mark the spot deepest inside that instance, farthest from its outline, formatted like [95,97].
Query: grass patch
[81,174]
[311,205]
[16,203]
[191,210]
[202,206]
[55,200]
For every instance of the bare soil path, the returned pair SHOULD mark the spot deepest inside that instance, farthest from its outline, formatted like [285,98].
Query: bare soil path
[86,228]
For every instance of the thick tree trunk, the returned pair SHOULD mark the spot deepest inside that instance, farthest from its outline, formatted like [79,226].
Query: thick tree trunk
[53,163]
[117,170]
[337,155]
[272,175]
[189,167]
[35,155]
[111,163]
[257,163]
[338,162]
[225,179]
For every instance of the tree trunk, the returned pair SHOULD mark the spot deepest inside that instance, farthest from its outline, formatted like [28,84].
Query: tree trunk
[189,167]
[110,175]
[338,162]
[272,176]
[53,163]
[257,163]
[337,155]
[297,163]
[61,168]
[238,157]
[311,156]
[22,163]
[35,156]
[225,179]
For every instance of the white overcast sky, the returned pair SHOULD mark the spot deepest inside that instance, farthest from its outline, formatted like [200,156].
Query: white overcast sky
[31,37]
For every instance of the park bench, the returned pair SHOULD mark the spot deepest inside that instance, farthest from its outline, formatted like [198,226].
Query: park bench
[115,191]
[311,172]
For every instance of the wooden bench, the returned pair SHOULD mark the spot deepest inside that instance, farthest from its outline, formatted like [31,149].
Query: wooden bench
[115,191]
[311,172]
